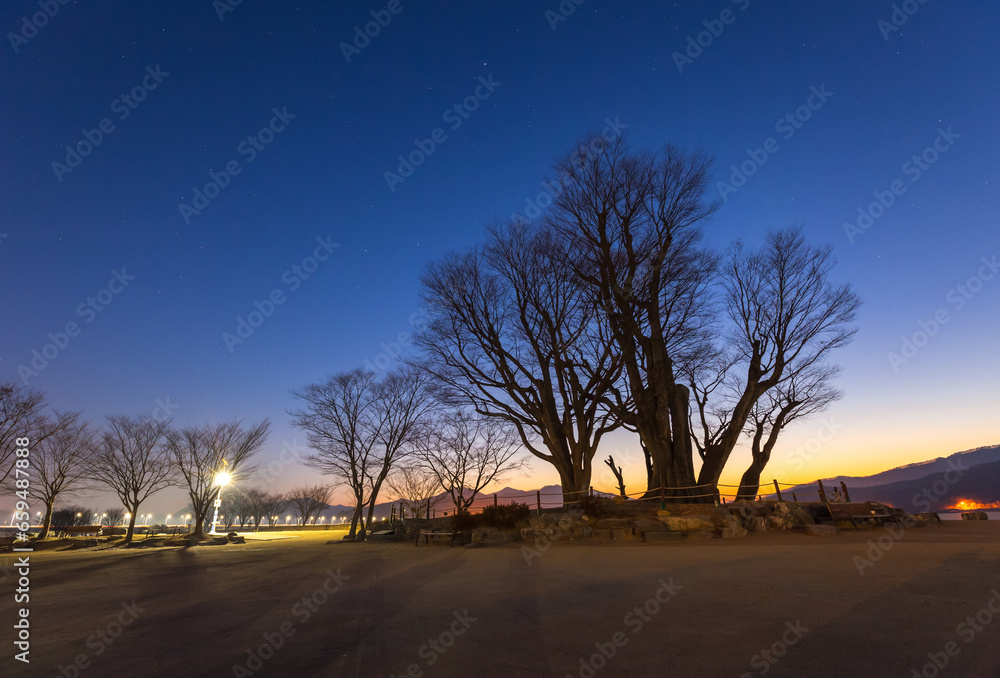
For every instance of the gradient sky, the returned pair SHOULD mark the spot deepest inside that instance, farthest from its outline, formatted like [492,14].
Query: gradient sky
[887,96]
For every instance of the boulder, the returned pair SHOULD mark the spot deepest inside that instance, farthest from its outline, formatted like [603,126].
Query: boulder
[733,532]
[687,523]
[582,531]
[778,522]
[542,522]
[567,521]
[756,524]
[613,523]
[644,525]
[619,533]
[820,530]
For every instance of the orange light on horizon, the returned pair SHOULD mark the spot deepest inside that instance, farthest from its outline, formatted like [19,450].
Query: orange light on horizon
[973,505]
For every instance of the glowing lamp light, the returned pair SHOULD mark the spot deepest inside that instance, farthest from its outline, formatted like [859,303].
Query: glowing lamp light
[223,478]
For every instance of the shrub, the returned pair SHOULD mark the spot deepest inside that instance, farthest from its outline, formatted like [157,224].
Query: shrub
[464,521]
[506,516]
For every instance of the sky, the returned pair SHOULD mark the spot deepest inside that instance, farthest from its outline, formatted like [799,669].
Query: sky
[204,206]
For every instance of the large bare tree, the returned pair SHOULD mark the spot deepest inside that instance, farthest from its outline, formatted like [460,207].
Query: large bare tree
[200,453]
[133,460]
[807,392]
[60,463]
[360,425]
[633,221]
[785,318]
[467,451]
[512,333]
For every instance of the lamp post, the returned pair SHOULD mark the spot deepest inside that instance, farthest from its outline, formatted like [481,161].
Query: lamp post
[222,479]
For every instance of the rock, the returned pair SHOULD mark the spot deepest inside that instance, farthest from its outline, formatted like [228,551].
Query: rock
[733,532]
[699,534]
[218,541]
[756,524]
[601,534]
[687,523]
[582,531]
[232,534]
[777,522]
[619,533]
[642,526]
[613,523]
[821,530]
[662,512]
[531,533]
[566,522]
[237,540]
[542,522]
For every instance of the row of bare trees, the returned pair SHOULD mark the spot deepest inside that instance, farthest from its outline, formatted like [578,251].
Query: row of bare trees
[610,311]
[369,431]
[135,457]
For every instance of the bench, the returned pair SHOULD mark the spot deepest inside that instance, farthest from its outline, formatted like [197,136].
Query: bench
[866,510]
[427,534]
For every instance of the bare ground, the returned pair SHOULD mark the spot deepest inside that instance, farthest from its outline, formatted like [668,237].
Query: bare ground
[205,611]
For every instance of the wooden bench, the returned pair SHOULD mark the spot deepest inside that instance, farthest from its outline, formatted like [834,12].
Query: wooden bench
[427,534]
[866,510]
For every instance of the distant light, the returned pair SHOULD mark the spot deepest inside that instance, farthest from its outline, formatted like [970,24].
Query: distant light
[222,478]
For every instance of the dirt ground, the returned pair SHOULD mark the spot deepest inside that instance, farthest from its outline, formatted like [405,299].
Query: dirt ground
[772,604]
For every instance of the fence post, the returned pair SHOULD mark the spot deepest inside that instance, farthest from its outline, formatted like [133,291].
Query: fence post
[715,493]
[794,498]
[538,499]
[663,499]
[494,500]
[843,487]
[822,491]
[777,490]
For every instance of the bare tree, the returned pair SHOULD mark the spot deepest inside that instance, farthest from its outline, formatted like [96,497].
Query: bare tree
[114,516]
[617,470]
[360,426]
[133,460]
[309,500]
[259,504]
[513,333]
[807,392]
[785,319]
[467,451]
[634,223]
[415,487]
[21,417]
[60,463]
[200,454]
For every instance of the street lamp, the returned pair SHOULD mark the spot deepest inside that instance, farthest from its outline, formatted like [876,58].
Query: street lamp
[167,521]
[222,479]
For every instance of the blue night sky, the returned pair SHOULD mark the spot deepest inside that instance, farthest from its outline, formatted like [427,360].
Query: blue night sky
[208,87]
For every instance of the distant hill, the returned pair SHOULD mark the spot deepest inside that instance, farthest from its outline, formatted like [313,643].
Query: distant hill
[934,492]
[974,457]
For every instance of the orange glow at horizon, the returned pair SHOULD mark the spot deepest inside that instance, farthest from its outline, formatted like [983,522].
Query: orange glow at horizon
[973,505]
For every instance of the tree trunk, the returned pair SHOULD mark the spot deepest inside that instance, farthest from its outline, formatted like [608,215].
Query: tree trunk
[199,526]
[575,483]
[47,524]
[750,482]
[131,526]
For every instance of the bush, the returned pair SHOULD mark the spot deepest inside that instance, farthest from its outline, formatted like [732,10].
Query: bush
[464,521]
[506,516]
